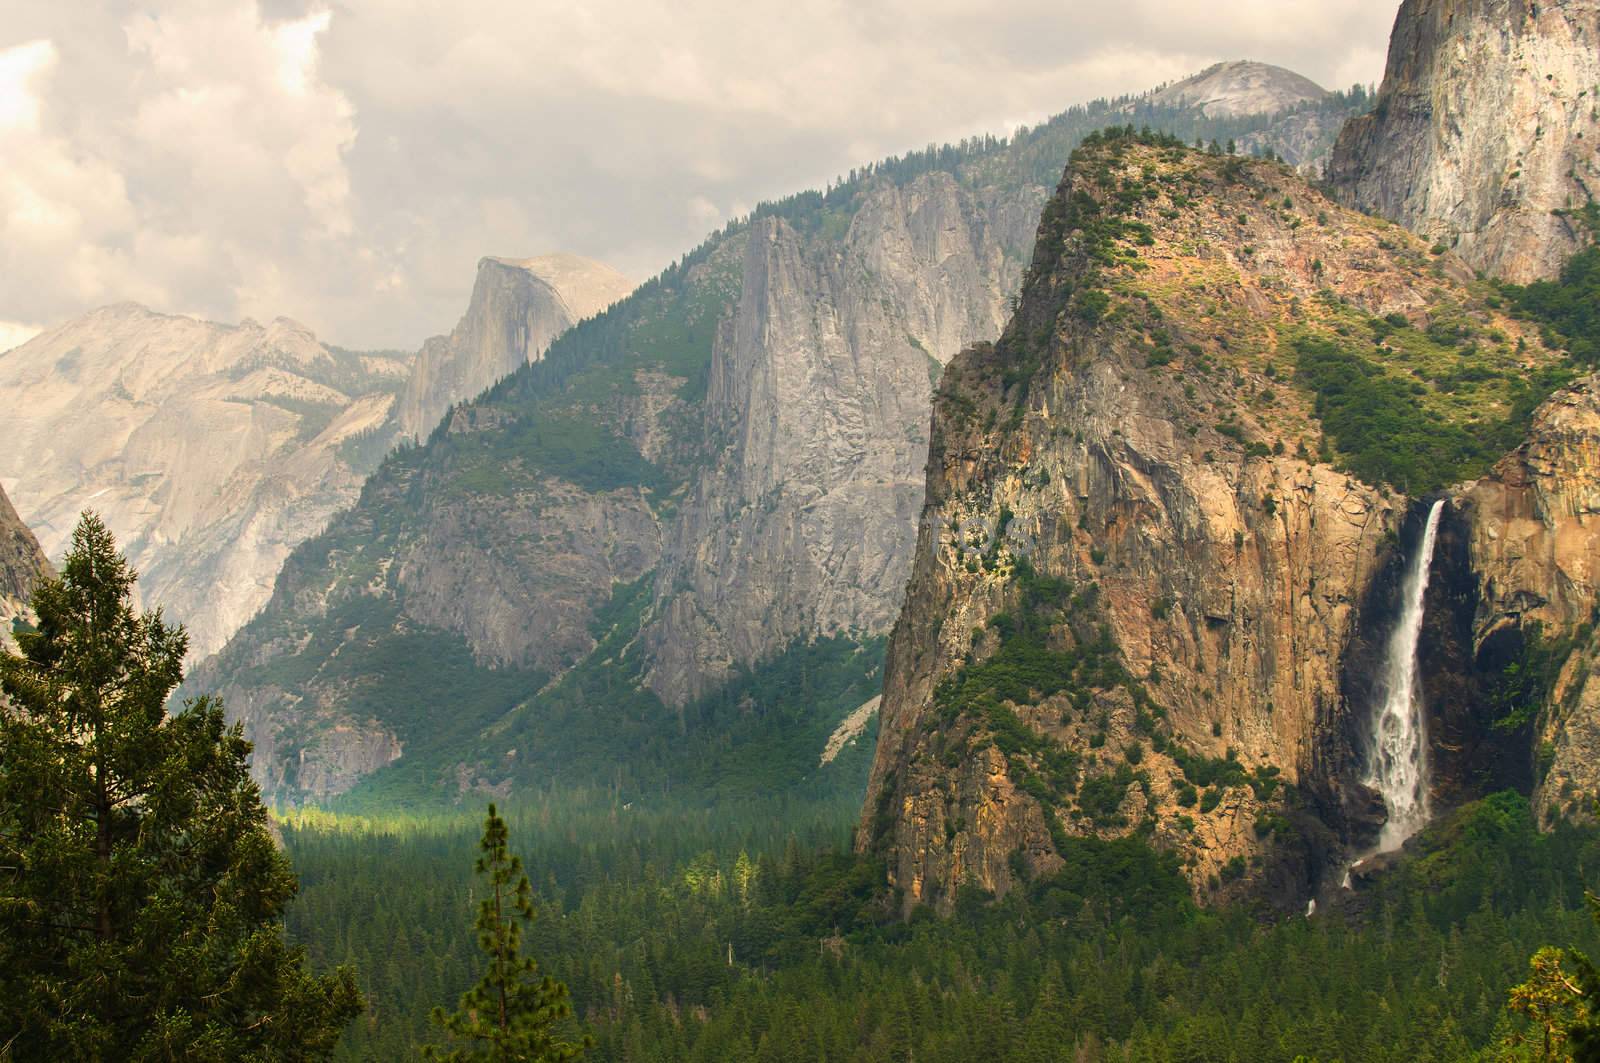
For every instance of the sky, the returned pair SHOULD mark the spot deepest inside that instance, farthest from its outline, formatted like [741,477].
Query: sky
[347,163]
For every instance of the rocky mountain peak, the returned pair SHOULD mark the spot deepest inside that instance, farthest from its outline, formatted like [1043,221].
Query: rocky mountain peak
[1242,87]
[518,306]
[585,286]
[1485,133]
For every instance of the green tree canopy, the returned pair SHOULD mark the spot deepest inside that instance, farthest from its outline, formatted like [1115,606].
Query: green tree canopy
[513,1013]
[1559,1006]
[141,894]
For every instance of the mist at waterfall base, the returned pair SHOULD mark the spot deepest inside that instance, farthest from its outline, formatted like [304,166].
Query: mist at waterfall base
[1397,744]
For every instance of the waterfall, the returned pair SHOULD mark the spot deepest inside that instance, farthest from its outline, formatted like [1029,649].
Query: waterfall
[1397,750]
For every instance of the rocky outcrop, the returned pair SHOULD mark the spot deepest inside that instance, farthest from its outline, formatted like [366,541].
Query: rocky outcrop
[1241,87]
[1303,137]
[474,567]
[1535,522]
[1485,132]
[850,729]
[1134,583]
[209,450]
[1534,551]
[801,523]
[287,760]
[518,306]
[22,565]
[1568,742]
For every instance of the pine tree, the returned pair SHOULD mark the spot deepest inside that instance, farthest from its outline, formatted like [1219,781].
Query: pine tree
[512,1013]
[1584,1034]
[141,896]
[1560,1002]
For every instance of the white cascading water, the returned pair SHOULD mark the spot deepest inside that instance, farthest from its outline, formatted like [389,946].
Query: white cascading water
[1397,765]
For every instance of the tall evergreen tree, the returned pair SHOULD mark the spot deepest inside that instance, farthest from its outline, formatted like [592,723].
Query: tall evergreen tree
[141,895]
[512,1013]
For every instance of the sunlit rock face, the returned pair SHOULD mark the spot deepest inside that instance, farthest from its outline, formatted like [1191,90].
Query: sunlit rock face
[1485,132]
[1132,471]
[209,450]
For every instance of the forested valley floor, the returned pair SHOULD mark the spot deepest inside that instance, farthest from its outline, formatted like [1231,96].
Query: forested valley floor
[755,935]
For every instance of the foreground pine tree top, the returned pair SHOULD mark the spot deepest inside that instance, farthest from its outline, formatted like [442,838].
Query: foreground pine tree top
[513,1013]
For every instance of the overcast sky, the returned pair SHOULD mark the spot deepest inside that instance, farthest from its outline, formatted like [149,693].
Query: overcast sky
[347,163]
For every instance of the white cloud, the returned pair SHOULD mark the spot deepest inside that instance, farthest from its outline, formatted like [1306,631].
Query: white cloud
[20,67]
[15,334]
[213,155]
[347,162]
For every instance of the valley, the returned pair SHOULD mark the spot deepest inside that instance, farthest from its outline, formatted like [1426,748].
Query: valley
[1123,590]
[721,470]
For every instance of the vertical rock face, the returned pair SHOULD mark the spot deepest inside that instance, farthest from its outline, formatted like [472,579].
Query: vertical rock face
[1535,522]
[518,306]
[1534,545]
[800,525]
[1133,586]
[1486,128]
[22,565]
[209,450]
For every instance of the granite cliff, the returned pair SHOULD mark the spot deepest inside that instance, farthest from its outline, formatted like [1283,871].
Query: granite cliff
[796,524]
[22,565]
[1165,510]
[517,307]
[210,450]
[1532,552]
[1486,131]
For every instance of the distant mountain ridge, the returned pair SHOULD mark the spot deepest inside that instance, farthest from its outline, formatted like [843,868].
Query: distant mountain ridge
[213,450]
[210,450]
[1241,87]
